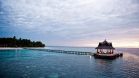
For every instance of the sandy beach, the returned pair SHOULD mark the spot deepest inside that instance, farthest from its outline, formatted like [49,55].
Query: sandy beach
[12,48]
[9,48]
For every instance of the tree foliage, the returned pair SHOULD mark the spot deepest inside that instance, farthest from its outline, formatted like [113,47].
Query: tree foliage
[14,42]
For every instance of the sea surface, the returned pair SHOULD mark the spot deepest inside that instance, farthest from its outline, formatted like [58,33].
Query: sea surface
[41,64]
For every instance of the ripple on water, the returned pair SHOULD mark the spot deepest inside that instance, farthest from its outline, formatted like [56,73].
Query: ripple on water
[53,75]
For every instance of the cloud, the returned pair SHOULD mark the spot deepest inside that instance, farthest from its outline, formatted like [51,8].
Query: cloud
[72,20]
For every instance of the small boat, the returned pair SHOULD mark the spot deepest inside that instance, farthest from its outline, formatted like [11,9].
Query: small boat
[105,50]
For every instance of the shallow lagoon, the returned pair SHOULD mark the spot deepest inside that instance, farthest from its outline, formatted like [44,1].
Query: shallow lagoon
[41,64]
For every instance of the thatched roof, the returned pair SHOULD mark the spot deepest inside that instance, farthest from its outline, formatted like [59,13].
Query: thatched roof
[105,45]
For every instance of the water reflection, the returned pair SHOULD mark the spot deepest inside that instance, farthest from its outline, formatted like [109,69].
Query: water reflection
[124,67]
[105,68]
[130,57]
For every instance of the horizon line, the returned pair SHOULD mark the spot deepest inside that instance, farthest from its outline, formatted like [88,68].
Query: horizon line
[84,46]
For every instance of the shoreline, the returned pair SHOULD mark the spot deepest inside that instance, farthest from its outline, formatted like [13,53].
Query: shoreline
[19,48]
[10,48]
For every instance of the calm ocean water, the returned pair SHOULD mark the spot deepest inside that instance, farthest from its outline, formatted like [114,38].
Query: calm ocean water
[42,64]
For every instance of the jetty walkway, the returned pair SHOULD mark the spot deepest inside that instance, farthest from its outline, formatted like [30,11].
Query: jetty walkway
[63,51]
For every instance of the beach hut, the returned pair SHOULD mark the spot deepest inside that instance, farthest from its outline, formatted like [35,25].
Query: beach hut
[105,50]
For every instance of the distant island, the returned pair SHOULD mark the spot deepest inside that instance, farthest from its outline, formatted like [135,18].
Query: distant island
[14,42]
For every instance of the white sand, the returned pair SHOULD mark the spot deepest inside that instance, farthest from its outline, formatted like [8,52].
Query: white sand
[17,48]
[9,48]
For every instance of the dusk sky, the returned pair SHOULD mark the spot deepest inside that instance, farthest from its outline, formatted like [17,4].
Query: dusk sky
[72,22]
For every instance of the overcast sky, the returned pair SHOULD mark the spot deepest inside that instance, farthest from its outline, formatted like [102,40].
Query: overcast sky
[72,22]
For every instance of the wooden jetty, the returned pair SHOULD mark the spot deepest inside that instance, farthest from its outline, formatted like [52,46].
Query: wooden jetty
[106,56]
[63,51]
[105,50]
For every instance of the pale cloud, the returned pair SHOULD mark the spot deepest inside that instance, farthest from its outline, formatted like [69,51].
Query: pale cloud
[74,20]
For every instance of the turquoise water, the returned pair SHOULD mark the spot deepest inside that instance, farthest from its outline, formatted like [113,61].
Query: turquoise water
[41,64]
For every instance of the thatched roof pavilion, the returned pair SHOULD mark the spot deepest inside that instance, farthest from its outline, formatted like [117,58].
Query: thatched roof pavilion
[105,47]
